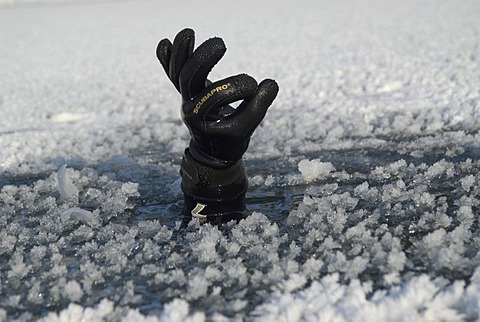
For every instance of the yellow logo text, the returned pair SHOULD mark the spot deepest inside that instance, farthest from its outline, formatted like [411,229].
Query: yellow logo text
[210,94]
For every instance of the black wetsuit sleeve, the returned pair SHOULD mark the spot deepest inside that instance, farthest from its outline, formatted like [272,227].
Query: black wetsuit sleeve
[210,190]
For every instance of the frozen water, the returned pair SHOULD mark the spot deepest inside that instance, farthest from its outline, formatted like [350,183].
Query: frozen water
[364,184]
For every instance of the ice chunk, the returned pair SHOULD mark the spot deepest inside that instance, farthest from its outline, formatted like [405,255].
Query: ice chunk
[68,191]
[256,180]
[130,188]
[314,169]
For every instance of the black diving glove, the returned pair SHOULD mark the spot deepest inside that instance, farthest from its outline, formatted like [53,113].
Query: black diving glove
[213,176]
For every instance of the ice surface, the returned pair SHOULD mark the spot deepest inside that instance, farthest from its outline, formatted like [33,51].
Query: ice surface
[364,184]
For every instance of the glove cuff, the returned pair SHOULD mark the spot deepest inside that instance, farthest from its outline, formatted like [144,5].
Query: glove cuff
[215,211]
[212,191]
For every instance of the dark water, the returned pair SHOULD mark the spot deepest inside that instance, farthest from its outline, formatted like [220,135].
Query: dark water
[387,208]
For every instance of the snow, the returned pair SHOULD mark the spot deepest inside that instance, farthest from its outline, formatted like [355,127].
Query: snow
[329,300]
[363,177]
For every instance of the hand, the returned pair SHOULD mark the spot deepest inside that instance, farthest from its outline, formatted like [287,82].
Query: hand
[220,134]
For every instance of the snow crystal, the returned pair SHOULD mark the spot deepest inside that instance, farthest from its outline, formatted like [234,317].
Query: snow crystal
[269,180]
[294,282]
[177,310]
[465,215]
[197,286]
[37,253]
[75,312]
[204,243]
[468,182]
[7,244]
[135,315]
[73,291]
[439,168]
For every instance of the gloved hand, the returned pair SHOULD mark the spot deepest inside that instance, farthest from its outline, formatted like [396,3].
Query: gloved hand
[220,134]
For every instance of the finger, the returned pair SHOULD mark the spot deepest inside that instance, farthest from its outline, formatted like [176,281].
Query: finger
[219,94]
[195,71]
[182,49]
[164,52]
[250,113]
